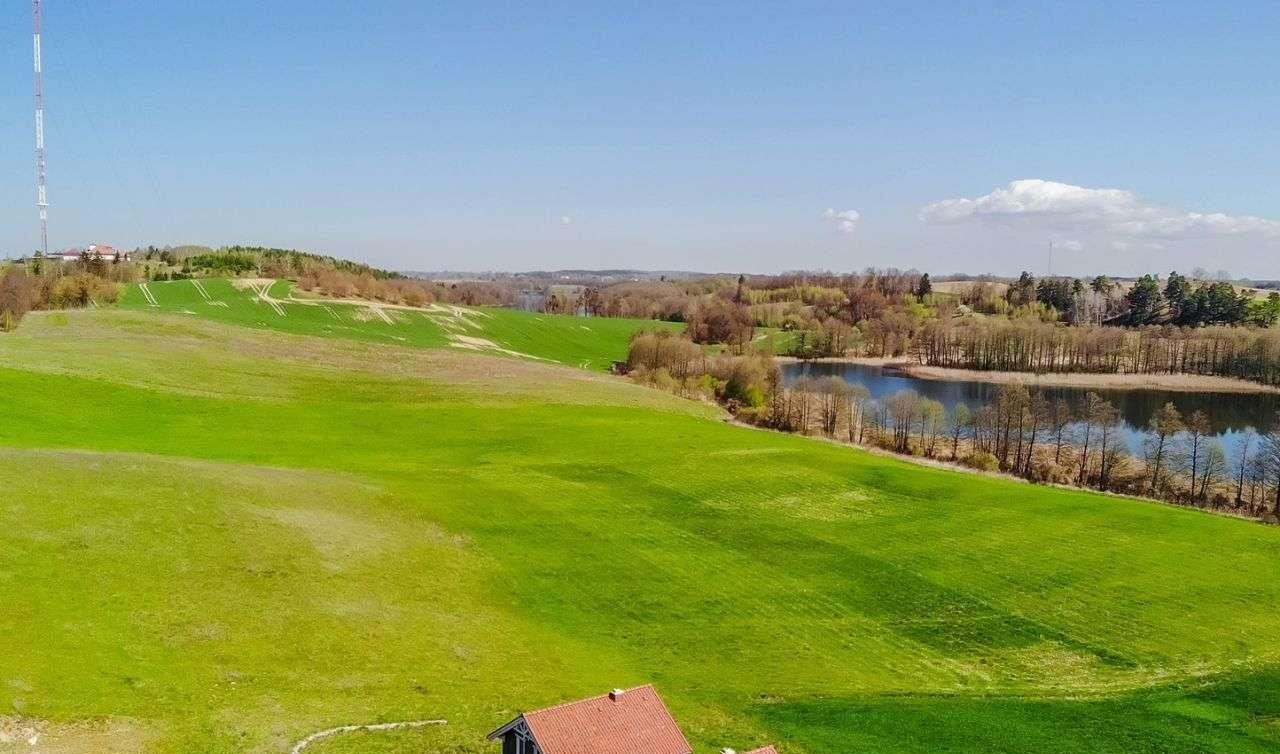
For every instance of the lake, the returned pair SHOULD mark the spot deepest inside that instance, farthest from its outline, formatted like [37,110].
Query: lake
[1232,414]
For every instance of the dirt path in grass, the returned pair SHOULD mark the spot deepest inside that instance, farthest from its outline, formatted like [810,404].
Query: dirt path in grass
[304,743]
[484,344]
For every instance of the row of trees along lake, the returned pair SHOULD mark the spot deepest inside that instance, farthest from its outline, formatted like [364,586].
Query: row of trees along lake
[1021,431]
[1143,326]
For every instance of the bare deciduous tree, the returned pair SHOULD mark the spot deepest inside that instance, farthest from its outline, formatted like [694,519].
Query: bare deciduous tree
[1165,424]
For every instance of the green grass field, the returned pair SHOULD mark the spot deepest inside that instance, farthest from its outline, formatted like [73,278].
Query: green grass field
[217,538]
[588,343]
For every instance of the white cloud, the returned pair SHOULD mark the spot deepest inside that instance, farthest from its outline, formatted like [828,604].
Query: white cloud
[566,220]
[1069,245]
[846,221]
[1066,208]
[1132,246]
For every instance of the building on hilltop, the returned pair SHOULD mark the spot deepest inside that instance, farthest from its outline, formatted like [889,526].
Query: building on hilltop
[92,251]
[106,253]
[630,721]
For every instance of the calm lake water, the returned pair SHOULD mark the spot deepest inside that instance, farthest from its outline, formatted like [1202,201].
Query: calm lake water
[1231,413]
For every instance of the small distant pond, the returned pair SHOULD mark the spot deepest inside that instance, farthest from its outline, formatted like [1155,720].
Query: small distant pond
[1232,414]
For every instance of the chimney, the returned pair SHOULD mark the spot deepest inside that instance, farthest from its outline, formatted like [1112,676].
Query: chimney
[616,694]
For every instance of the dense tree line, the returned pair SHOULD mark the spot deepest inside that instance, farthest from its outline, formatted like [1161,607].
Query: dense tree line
[1022,345]
[821,309]
[56,286]
[182,262]
[230,263]
[279,262]
[672,362]
[1180,301]
[1185,304]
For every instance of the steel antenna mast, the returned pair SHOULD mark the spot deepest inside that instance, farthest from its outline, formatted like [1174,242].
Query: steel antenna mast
[42,201]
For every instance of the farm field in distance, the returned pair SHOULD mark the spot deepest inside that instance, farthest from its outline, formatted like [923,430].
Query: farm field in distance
[227,527]
[270,304]
[591,343]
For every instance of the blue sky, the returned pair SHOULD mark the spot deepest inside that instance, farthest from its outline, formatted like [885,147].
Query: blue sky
[705,136]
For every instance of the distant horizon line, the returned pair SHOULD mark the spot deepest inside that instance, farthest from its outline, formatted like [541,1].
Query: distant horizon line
[954,276]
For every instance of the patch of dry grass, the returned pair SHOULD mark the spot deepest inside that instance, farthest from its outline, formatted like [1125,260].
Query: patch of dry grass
[19,735]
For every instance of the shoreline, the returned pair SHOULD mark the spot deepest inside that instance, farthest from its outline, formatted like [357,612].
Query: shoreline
[1178,383]
[942,464]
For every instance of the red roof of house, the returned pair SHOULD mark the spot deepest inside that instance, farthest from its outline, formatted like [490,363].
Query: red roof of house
[633,722]
[765,750]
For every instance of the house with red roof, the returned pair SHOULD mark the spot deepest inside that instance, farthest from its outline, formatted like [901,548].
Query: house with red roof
[631,721]
[623,721]
[92,251]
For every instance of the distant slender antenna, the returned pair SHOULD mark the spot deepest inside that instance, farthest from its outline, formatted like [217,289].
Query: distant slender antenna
[1050,260]
[42,201]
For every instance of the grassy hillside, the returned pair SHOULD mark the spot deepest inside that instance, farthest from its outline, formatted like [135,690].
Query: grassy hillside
[220,539]
[271,304]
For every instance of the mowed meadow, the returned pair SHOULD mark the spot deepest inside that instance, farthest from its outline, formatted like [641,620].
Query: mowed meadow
[224,528]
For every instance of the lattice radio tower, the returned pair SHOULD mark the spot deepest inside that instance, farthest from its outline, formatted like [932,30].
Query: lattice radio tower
[42,201]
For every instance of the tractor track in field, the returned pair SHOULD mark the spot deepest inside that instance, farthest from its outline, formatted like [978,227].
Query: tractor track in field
[147,294]
[455,321]
[264,295]
[326,733]
[204,294]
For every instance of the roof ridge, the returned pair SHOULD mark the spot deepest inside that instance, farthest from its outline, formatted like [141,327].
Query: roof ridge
[672,718]
[589,699]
